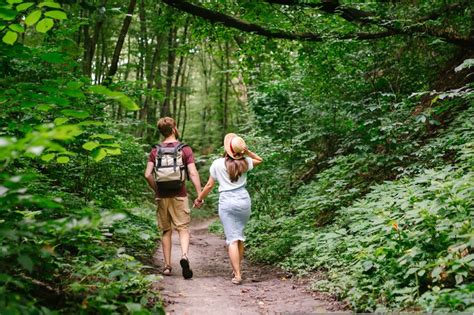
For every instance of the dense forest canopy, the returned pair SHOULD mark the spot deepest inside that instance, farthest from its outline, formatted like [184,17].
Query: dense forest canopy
[362,112]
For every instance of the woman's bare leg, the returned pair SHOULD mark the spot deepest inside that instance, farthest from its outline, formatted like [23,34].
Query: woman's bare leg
[241,250]
[235,259]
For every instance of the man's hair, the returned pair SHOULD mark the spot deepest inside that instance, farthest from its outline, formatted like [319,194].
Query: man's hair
[166,126]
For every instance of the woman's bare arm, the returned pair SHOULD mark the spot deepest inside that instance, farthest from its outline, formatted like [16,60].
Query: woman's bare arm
[255,158]
[207,189]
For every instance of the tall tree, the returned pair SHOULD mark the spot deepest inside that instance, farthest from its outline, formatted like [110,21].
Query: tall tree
[90,41]
[165,109]
[121,38]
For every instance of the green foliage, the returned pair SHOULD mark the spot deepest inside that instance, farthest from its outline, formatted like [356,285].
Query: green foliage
[32,13]
[402,244]
[70,188]
[217,228]
[366,154]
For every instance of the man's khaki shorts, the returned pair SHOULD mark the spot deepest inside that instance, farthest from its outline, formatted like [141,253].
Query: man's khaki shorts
[173,213]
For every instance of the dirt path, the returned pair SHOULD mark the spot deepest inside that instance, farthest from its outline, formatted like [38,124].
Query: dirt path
[265,289]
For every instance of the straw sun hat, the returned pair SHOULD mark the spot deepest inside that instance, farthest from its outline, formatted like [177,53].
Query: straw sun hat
[234,146]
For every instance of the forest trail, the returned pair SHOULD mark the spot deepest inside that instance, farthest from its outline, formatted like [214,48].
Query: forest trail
[265,289]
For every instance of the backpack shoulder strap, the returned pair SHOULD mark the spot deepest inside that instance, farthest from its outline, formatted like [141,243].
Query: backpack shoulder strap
[159,155]
[181,145]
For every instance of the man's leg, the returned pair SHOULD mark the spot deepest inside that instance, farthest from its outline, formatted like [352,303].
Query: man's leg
[184,241]
[164,223]
[166,246]
[184,262]
[180,215]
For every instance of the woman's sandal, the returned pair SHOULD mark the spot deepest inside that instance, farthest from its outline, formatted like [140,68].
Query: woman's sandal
[167,270]
[236,280]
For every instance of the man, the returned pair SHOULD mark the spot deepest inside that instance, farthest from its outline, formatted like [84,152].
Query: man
[173,208]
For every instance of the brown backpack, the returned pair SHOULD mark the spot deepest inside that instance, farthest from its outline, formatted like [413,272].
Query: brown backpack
[170,172]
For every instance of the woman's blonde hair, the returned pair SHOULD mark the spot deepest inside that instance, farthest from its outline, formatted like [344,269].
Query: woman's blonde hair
[235,168]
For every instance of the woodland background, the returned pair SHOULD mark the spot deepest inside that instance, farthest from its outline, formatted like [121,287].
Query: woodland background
[363,112]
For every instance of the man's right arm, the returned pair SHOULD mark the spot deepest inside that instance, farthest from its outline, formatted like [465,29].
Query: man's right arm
[149,177]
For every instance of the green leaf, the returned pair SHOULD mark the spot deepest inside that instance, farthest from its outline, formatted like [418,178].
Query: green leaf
[65,132]
[99,154]
[24,6]
[43,107]
[17,28]
[33,17]
[125,101]
[74,93]
[367,265]
[55,14]
[61,121]
[7,14]
[91,145]
[52,57]
[134,307]
[113,151]
[14,1]
[75,113]
[50,4]
[90,123]
[26,262]
[62,159]
[436,272]
[112,145]
[468,63]
[44,25]
[102,136]
[74,85]
[48,157]
[10,38]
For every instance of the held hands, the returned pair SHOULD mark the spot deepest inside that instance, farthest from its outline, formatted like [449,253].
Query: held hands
[198,203]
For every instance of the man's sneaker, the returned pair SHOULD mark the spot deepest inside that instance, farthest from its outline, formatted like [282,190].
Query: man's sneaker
[187,272]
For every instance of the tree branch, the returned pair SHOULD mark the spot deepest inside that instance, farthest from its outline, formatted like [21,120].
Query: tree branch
[230,21]
[332,7]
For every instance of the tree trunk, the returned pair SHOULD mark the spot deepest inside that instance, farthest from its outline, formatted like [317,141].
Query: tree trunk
[150,106]
[182,93]
[178,71]
[184,82]
[90,43]
[129,55]
[143,49]
[118,47]
[165,109]
[222,78]
[226,91]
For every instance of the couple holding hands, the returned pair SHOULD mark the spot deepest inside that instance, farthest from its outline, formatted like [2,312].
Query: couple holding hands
[230,172]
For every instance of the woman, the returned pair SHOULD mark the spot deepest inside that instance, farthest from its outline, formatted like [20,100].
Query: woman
[234,200]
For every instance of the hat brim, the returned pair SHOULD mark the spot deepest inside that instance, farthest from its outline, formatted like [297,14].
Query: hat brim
[227,139]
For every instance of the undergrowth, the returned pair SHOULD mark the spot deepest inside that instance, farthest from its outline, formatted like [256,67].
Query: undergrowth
[391,226]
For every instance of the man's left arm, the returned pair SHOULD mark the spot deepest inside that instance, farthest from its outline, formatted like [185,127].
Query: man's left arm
[194,177]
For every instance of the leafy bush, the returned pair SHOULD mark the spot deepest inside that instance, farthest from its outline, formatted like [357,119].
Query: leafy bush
[388,218]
